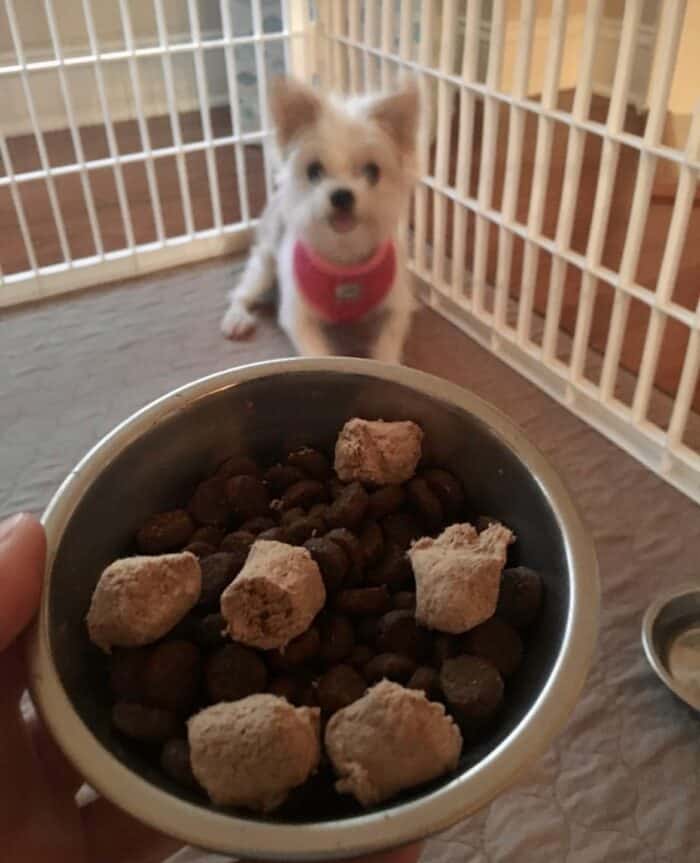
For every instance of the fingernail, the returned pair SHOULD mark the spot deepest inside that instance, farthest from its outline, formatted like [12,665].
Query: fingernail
[9,525]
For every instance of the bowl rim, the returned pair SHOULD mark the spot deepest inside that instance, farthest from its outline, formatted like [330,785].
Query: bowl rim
[374,831]
[651,615]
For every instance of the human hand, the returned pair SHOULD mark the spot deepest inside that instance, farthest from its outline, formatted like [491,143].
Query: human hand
[39,817]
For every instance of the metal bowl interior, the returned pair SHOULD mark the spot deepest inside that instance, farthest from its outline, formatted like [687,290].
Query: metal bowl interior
[152,462]
[671,640]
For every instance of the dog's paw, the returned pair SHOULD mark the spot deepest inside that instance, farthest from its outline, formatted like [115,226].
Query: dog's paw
[238,322]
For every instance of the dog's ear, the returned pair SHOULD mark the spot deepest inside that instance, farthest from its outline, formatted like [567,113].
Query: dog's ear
[293,106]
[399,115]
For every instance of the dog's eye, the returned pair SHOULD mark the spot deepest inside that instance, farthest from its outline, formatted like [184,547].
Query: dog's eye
[314,171]
[371,171]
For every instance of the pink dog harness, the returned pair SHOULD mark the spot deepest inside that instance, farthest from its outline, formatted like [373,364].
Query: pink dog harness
[340,294]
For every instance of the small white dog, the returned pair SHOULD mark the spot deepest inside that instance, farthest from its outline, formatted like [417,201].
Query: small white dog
[329,232]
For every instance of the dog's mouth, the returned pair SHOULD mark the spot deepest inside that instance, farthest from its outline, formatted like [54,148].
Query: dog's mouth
[342,222]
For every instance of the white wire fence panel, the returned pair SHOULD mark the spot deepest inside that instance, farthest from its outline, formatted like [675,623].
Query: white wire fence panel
[555,220]
[133,135]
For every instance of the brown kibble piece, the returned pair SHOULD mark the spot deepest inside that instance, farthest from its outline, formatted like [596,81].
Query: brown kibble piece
[257,524]
[428,680]
[304,494]
[301,650]
[393,666]
[444,647]
[372,541]
[126,673]
[210,631]
[145,724]
[363,600]
[338,687]
[238,465]
[289,516]
[498,642]
[400,529]
[248,497]
[353,549]
[349,507]
[447,488]
[308,696]
[209,534]
[171,676]
[337,638]
[175,761]
[426,502]
[319,510]
[472,686]
[404,599]
[360,656]
[274,534]
[384,501]
[392,569]
[312,462]
[209,504]
[285,687]
[519,596]
[367,629]
[167,531]
[234,672]
[398,632]
[280,476]
[303,529]
[218,571]
[238,542]
[200,549]
[331,560]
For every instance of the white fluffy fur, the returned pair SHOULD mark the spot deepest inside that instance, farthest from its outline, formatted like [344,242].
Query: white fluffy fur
[344,137]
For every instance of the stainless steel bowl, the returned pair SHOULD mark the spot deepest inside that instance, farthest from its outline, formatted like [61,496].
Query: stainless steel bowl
[153,459]
[671,640]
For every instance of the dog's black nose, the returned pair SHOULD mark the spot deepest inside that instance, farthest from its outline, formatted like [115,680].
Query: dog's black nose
[342,199]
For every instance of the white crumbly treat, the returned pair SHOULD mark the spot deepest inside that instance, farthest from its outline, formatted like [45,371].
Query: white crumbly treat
[138,599]
[252,752]
[458,576]
[391,739]
[275,597]
[383,453]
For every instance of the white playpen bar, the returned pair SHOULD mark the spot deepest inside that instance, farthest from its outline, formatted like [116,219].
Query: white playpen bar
[460,291]
[355,45]
[134,258]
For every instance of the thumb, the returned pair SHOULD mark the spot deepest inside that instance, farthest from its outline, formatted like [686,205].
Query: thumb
[22,555]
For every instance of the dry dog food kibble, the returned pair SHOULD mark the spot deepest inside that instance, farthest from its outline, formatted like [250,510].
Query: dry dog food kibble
[234,672]
[292,592]
[472,686]
[520,596]
[175,761]
[167,531]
